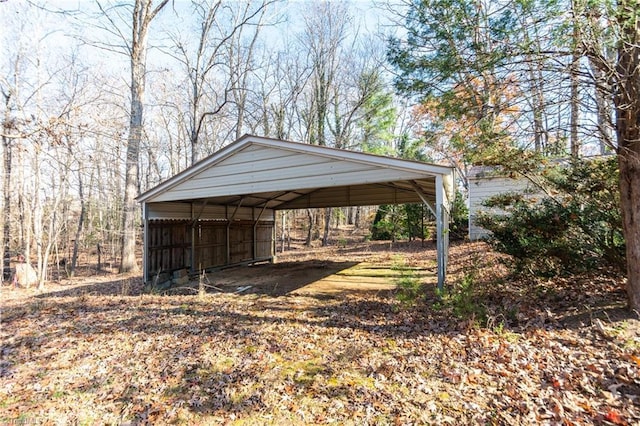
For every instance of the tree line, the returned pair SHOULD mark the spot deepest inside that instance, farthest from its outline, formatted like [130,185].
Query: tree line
[106,101]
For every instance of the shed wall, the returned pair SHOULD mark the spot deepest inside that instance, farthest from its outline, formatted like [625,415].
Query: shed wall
[482,188]
[213,243]
[169,246]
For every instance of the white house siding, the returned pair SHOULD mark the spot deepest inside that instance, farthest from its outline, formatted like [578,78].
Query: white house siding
[484,184]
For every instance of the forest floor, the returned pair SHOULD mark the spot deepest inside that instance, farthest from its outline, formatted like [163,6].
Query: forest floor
[341,335]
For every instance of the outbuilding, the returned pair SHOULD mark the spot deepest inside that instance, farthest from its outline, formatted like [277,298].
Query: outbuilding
[221,210]
[486,182]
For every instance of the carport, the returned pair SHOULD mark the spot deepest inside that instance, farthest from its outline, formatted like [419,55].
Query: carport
[221,210]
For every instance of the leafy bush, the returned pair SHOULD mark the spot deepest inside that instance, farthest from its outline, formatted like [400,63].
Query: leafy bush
[459,224]
[389,223]
[576,227]
[395,222]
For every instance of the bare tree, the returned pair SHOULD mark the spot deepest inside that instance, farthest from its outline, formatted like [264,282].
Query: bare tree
[123,28]
[325,30]
[7,156]
[281,81]
[13,129]
[212,66]
[242,65]
[143,14]
[22,89]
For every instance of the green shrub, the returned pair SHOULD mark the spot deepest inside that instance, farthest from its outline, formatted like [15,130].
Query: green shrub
[459,224]
[464,300]
[389,223]
[576,228]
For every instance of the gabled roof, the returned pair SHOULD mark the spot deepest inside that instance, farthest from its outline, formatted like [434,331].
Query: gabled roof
[261,172]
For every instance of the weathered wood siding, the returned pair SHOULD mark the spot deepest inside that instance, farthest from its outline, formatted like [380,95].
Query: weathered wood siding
[215,243]
[211,245]
[264,240]
[240,242]
[169,246]
[484,184]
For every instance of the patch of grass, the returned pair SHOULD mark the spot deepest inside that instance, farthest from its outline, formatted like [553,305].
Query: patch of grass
[222,364]
[626,334]
[5,402]
[243,395]
[250,349]
[392,345]
[632,344]
[302,372]
[346,382]
[358,381]
[410,288]
[58,394]
[505,334]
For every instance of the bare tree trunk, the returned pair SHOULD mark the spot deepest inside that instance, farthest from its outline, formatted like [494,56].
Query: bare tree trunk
[76,241]
[142,17]
[99,263]
[603,106]
[327,226]
[26,212]
[575,103]
[43,260]
[38,225]
[283,230]
[310,228]
[537,85]
[128,262]
[629,165]
[5,248]
[195,129]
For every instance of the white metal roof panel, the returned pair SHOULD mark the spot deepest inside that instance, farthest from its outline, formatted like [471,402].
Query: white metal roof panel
[275,173]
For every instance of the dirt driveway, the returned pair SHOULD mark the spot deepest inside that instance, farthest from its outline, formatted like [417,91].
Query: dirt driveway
[369,267]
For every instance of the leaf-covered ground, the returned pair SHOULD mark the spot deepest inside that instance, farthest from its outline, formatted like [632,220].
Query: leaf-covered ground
[491,351]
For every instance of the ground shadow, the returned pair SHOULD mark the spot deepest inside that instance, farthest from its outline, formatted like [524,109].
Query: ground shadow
[126,286]
[263,279]
[271,306]
[277,279]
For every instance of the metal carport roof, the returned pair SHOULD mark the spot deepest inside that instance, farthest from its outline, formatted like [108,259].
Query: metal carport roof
[274,174]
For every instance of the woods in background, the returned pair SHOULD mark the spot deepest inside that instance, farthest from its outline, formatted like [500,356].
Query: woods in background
[102,103]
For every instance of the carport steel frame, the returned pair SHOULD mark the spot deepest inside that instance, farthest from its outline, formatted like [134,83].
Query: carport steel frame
[255,176]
